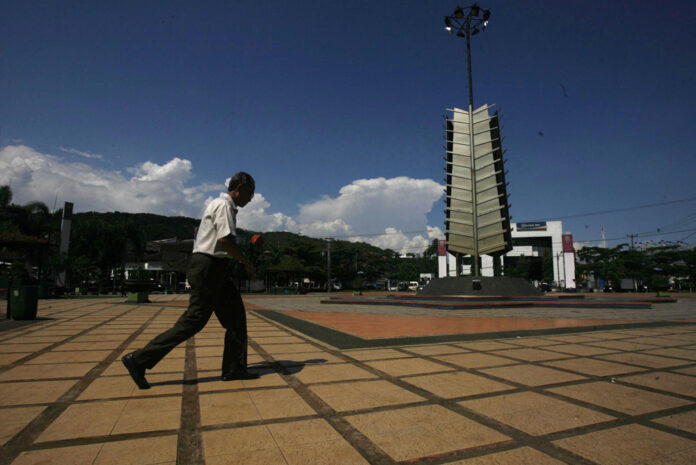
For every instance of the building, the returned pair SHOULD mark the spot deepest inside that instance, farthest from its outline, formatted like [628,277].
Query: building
[537,242]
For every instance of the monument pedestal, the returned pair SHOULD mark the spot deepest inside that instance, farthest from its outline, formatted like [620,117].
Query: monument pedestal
[484,285]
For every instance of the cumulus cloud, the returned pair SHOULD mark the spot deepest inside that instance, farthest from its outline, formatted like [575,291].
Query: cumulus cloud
[401,242]
[153,188]
[177,169]
[329,228]
[255,217]
[397,207]
[370,205]
[80,153]
[388,213]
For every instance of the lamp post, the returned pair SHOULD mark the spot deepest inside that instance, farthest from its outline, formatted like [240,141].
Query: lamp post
[466,22]
[328,265]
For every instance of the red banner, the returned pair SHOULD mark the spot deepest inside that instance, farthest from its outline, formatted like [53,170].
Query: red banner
[441,247]
[568,243]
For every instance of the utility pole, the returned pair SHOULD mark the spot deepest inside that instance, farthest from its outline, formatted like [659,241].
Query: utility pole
[328,265]
[631,236]
[633,278]
[558,269]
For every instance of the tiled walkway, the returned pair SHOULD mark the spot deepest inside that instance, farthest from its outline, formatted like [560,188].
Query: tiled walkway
[623,396]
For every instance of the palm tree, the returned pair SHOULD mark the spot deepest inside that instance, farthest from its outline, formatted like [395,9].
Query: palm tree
[38,218]
[5,196]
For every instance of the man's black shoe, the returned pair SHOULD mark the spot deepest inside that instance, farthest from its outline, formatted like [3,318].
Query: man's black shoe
[241,374]
[137,373]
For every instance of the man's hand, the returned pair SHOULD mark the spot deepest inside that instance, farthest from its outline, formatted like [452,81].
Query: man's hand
[251,271]
[235,252]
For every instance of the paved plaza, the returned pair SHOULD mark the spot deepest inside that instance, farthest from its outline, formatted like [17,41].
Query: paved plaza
[354,384]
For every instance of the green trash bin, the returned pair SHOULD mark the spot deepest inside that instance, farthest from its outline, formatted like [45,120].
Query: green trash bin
[24,302]
[4,286]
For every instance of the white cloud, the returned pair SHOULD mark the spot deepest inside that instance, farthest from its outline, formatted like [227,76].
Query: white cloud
[255,217]
[153,188]
[396,206]
[330,228]
[400,242]
[370,205]
[176,168]
[80,153]
[389,213]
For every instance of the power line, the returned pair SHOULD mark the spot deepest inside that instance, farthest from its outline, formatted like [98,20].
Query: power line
[616,210]
[641,235]
[382,234]
[685,220]
[681,222]
[688,236]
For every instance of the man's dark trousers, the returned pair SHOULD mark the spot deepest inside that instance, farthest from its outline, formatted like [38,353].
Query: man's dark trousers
[211,290]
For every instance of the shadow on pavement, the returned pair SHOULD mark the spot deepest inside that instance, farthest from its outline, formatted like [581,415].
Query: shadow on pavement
[262,368]
[291,366]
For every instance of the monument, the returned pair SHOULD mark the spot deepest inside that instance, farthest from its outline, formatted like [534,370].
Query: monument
[477,218]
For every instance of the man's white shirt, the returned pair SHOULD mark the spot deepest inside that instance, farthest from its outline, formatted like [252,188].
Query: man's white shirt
[219,220]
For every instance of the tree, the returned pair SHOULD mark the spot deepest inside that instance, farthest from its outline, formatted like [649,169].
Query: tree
[689,257]
[431,251]
[5,196]
[634,264]
[602,263]
[547,266]
[520,269]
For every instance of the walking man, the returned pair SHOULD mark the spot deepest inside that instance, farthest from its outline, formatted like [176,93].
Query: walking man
[212,289]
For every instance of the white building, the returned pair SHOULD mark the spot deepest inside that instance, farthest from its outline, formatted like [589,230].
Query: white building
[532,240]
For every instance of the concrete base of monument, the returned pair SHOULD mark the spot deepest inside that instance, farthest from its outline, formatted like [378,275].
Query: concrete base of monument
[468,285]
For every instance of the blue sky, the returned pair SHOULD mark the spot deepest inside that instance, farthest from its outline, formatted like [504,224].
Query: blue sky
[336,109]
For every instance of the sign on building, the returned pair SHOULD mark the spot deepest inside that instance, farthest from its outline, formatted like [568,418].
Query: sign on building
[538,226]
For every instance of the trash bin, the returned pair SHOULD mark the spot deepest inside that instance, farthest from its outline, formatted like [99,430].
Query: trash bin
[24,302]
[4,285]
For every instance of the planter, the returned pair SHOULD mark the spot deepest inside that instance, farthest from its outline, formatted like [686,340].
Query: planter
[138,289]
[138,297]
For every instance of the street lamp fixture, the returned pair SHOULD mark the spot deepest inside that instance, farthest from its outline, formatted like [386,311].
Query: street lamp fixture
[466,18]
[467,22]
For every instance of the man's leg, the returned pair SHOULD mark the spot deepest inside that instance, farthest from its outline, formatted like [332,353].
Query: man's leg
[192,321]
[204,286]
[232,316]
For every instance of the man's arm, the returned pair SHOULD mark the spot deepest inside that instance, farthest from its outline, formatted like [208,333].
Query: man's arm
[235,252]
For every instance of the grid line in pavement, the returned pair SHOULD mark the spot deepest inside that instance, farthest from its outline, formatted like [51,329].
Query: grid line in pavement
[190,442]
[294,363]
[24,439]
[543,442]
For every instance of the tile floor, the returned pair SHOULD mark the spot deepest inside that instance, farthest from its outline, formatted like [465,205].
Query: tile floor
[604,397]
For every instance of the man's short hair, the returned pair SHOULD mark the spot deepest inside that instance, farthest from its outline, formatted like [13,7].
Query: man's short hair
[241,179]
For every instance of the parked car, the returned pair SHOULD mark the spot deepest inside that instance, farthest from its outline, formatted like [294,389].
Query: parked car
[157,288]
